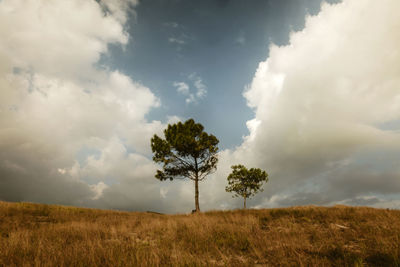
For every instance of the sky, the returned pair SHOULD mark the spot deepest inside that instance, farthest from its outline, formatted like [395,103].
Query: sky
[307,90]
[217,43]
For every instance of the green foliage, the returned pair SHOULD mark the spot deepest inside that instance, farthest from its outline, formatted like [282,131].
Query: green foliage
[186,152]
[246,182]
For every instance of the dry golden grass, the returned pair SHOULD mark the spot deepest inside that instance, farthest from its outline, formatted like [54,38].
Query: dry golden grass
[48,235]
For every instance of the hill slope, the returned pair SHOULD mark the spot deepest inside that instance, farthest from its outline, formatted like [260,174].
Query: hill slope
[49,235]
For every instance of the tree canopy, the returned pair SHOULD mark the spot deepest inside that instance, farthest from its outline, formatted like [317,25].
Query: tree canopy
[245,182]
[185,152]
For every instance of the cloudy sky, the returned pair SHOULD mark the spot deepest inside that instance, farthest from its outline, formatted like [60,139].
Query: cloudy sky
[305,89]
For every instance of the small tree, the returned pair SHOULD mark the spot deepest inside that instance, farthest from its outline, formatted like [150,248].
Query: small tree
[246,182]
[186,152]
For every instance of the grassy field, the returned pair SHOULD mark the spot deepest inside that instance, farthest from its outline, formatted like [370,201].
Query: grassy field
[49,235]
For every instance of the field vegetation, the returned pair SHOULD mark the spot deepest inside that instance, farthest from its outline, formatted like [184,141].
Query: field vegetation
[50,235]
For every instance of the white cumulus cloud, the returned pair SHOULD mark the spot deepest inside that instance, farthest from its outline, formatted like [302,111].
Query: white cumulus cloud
[71,130]
[318,104]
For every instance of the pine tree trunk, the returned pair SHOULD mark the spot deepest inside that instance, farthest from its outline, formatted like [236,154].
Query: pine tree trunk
[196,194]
[196,186]
[244,203]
